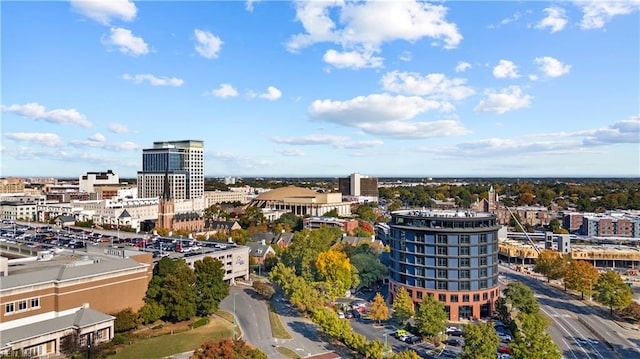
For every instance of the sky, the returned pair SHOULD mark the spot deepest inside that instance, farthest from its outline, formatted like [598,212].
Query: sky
[311,88]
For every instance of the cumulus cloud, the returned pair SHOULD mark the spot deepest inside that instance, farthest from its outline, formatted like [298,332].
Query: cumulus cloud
[435,86]
[625,131]
[555,20]
[104,11]
[352,59]
[208,45]
[126,42]
[249,5]
[506,69]
[225,91]
[153,80]
[597,13]
[45,139]
[291,152]
[310,140]
[98,140]
[119,128]
[36,111]
[367,25]
[551,67]
[462,66]
[235,161]
[506,100]
[385,115]
[272,94]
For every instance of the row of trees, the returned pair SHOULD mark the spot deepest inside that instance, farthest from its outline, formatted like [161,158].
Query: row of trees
[607,288]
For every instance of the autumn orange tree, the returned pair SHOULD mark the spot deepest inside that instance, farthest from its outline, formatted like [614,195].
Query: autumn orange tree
[227,348]
[581,276]
[335,267]
[379,309]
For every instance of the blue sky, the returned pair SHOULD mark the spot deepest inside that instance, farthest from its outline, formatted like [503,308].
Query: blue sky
[275,88]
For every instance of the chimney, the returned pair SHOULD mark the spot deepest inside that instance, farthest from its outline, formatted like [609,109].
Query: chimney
[263,242]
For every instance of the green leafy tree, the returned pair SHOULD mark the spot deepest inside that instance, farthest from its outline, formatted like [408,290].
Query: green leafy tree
[502,310]
[210,285]
[430,317]
[521,297]
[331,213]
[551,264]
[334,267]
[370,269]
[290,220]
[531,341]
[302,253]
[612,291]
[126,320]
[264,289]
[178,294]
[480,341]
[375,349]
[407,354]
[379,310]
[581,276]
[151,311]
[402,306]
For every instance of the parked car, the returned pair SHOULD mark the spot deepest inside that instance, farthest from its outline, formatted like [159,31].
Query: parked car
[356,313]
[454,342]
[413,339]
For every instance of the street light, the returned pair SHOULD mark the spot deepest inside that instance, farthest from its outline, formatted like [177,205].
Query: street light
[233,334]
[386,351]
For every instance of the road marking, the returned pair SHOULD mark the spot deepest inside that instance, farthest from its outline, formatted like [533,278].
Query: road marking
[569,334]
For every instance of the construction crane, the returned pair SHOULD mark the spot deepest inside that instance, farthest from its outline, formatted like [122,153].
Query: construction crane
[523,230]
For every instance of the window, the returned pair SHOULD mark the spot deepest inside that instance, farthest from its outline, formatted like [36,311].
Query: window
[419,294]
[476,297]
[464,262]
[483,284]
[9,308]
[482,272]
[483,261]
[465,239]
[482,249]
[465,298]
[442,285]
[485,296]
[464,251]
[465,285]
[454,298]
[464,273]
[35,302]
[441,239]
[442,273]
[441,250]
[22,305]
[483,238]
[442,262]
[442,298]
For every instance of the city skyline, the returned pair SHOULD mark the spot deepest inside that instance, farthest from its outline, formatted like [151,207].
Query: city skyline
[323,89]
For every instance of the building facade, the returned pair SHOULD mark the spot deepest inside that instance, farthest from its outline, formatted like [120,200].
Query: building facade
[358,185]
[613,224]
[88,181]
[450,255]
[181,161]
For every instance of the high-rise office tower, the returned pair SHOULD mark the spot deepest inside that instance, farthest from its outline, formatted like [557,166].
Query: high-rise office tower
[358,185]
[182,162]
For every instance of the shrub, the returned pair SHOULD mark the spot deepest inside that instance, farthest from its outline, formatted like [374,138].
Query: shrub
[119,339]
[200,322]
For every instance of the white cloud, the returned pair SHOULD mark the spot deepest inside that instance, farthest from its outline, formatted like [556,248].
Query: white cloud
[208,45]
[36,111]
[249,4]
[508,99]
[234,161]
[435,86]
[153,80]
[405,56]
[360,144]
[625,131]
[122,146]
[556,19]
[506,69]
[352,59]
[597,13]
[119,128]
[225,91]
[385,115]
[551,67]
[462,66]
[45,139]
[365,26]
[291,152]
[104,11]
[98,140]
[272,94]
[126,42]
[98,137]
[310,140]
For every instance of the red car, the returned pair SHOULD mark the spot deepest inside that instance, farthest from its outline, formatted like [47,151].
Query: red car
[503,349]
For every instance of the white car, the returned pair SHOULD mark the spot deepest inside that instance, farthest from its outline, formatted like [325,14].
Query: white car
[452,329]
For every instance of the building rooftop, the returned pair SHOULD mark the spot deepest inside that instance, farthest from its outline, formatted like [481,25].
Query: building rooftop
[434,213]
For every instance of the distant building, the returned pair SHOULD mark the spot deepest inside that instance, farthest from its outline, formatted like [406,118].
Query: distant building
[302,201]
[572,221]
[88,181]
[260,251]
[358,185]
[11,185]
[613,224]
[346,225]
[216,197]
[181,161]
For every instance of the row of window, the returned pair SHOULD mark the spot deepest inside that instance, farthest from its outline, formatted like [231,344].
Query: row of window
[442,250]
[455,298]
[444,262]
[22,305]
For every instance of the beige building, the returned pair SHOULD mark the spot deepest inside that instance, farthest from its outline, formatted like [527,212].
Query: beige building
[234,259]
[302,202]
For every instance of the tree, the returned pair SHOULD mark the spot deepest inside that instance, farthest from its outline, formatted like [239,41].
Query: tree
[502,310]
[227,348]
[264,289]
[125,320]
[334,267]
[370,269]
[379,309]
[151,311]
[611,290]
[178,294]
[581,276]
[430,317]
[480,341]
[555,225]
[331,213]
[632,312]
[402,306]
[551,264]
[521,297]
[531,341]
[210,285]
[407,354]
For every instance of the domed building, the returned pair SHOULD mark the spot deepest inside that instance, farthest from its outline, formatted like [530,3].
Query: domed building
[302,201]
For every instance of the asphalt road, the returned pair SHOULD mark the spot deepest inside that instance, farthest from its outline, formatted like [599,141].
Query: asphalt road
[579,329]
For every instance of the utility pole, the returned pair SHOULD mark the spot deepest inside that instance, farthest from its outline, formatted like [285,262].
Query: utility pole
[233,334]
[386,350]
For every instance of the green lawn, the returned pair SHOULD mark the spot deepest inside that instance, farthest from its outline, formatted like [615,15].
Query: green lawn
[166,345]
[277,328]
[288,352]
